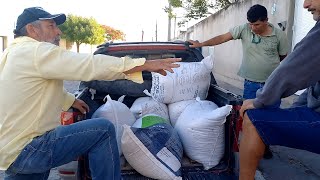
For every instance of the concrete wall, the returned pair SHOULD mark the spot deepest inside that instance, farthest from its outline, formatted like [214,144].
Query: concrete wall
[5,33]
[228,55]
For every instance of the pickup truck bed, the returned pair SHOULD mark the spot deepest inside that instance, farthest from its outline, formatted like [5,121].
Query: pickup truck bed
[190,169]
[159,50]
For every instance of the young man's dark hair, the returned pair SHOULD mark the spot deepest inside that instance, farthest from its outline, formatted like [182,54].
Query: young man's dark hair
[257,12]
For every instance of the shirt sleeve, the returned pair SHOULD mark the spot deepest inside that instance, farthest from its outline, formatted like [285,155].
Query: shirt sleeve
[236,32]
[53,62]
[68,100]
[300,70]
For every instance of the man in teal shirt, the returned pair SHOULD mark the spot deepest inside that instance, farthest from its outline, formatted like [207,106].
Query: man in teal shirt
[264,46]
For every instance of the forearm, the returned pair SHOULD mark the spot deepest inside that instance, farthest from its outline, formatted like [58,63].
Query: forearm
[218,40]
[213,41]
[156,65]
[137,69]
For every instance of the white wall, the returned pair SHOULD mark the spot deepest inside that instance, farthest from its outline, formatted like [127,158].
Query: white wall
[303,22]
[1,44]
[228,55]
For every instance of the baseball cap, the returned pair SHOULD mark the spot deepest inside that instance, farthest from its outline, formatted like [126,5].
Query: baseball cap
[32,14]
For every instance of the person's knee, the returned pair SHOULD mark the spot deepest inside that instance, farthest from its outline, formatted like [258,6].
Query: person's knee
[247,124]
[105,124]
[249,127]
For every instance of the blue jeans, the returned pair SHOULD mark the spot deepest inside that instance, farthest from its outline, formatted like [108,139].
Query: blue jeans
[297,127]
[250,89]
[94,137]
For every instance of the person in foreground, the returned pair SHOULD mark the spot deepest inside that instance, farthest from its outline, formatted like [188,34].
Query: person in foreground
[32,70]
[297,127]
[264,46]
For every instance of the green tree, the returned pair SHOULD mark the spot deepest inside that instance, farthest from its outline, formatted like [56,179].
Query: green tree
[112,34]
[82,31]
[196,9]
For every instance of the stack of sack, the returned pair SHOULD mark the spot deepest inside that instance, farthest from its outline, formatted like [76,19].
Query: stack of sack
[172,119]
[199,123]
[150,144]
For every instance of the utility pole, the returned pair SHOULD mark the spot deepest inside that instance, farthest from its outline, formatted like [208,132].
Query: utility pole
[175,25]
[169,22]
[142,34]
[156,31]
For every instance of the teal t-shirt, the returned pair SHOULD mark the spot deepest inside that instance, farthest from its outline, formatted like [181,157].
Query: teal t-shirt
[260,53]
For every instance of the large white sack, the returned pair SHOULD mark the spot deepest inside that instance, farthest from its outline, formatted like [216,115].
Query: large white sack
[190,80]
[146,105]
[175,109]
[154,151]
[201,131]
[118,113]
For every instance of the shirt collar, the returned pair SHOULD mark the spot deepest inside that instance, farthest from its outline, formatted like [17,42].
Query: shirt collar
[23,39]
[273,33]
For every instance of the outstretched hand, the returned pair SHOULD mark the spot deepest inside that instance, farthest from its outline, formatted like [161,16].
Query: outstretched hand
[81,106]
[194,44]
[162,65]
[247,104]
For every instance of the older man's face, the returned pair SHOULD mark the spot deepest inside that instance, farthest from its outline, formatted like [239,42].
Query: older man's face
[48,31]
[314,7]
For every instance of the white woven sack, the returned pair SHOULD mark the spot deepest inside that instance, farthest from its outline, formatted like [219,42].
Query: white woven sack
[144,162]
[118,113]
[190,80]
[175,109]
[146,105]
[201,131]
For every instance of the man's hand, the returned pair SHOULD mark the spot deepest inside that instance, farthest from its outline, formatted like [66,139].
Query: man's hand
[162,65]
[81,106]
[157,65]
[195,44]
[247,104]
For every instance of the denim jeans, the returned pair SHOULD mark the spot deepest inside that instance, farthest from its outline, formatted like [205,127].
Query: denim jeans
[250,89]
[94,137]
[297,127]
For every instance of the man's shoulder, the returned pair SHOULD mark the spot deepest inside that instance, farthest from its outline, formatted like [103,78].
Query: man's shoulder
[240,29]
[278,31]
[242,26]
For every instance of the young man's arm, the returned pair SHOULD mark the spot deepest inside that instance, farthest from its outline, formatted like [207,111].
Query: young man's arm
[213,41]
